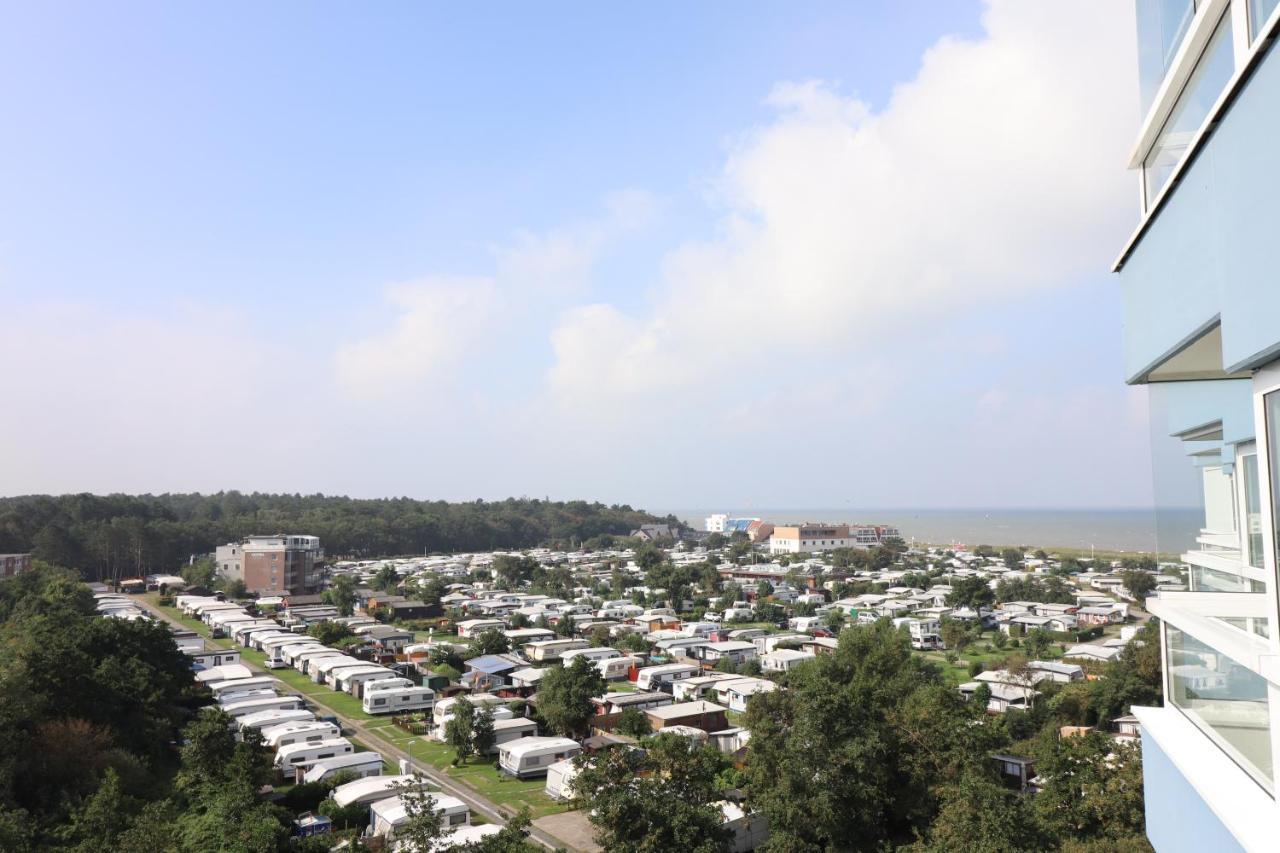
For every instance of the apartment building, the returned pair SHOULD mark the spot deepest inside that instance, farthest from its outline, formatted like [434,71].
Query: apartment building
[278,564]
[1201,301]
[800,538]
[14,564]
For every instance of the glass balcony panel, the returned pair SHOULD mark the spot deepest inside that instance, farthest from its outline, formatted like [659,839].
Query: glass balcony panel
[1252,510]
[1162,25]
[1207,82]
[1259,12]
[1227,700]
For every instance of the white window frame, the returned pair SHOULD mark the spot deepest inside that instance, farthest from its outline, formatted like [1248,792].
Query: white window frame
[1247,50]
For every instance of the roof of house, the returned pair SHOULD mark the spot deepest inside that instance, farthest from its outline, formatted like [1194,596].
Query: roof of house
[493,664]
[685,709]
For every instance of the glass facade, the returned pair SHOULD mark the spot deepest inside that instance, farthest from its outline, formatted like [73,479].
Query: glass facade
[1259,12]
[1224,698]
[1206,84]
[1162,25]
[1252,510]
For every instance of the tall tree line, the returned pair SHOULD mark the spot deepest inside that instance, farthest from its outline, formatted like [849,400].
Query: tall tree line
[107,535]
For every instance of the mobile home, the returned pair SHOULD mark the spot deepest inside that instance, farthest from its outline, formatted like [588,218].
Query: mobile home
[389,814]
[233,685]
[506,731]
[300,731]
[306,754]
[318,668]
[532,756]
[352,679]
[359,764]
[253,706]
[549,650]
[369,790]
[560,778]
[266,719]
[661,677]
[395,700]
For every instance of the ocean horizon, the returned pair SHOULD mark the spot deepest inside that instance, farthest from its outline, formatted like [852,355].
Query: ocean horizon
[1124,529]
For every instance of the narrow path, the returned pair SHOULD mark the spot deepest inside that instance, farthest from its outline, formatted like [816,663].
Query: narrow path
[484,807]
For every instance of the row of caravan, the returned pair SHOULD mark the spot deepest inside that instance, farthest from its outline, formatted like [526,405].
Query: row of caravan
[379,688]
[306,749]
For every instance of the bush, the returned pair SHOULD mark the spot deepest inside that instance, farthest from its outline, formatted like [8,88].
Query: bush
[975,668]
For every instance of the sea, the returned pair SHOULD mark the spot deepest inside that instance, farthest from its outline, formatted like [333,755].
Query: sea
[1138,530]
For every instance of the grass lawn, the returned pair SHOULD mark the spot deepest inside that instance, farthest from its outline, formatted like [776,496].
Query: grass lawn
[983,651]
[505,790]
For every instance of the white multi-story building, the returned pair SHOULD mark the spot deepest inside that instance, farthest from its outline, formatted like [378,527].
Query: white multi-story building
[715,523]
[1201,302]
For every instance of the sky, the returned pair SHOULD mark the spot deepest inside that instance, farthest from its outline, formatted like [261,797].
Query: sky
[672,255]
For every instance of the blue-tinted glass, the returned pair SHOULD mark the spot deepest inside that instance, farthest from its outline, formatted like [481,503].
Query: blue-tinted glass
[1259,12]
[1162,24]
[1207,83]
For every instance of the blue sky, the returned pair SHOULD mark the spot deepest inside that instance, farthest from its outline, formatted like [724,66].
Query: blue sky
[674,255]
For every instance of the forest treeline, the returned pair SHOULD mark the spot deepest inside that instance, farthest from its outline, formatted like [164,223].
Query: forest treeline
[106,535]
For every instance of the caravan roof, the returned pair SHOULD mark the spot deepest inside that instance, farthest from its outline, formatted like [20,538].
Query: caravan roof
[226,672]
[354,762]
[263,719]
[370,789]
[251,706]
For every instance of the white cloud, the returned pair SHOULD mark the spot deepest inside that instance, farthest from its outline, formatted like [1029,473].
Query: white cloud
[438,320]
[998,169]
[559,261]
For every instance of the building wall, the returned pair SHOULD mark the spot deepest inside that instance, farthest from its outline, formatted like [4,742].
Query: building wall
[1177,818]
[1209,251]
[13,564]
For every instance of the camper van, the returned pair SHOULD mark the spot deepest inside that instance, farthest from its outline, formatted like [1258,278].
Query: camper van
[661,677]
[532,756]
[306,754]
[615,669]
[506,731]
[266,719]
[387,815]
[367,791]
[333,678]
[398,699]
[351,679]
[596,654]
[252,706]
[233,685]
[442,711]
[389,682]
[318,667]
[560,780]
[301,731]
[231,697]
[549,650]
[358,764]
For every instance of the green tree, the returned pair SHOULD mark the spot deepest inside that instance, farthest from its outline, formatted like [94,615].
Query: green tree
[512,838]
[200,573]
[1140,584]
[715,541]
[654,800]
[980,815]
[386,578]
[484,736]
[490,642]
[1092,787]
[634,723]
[329,632]
[460,731]
[565,693]
[424,827]
[852,754]
[342,594]
[972,592]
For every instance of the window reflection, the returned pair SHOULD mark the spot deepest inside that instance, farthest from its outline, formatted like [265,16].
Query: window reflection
[1162,25]
[1207,82]
[1226,699]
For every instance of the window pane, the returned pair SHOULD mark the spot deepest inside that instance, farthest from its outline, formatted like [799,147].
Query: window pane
[1259,12]
[1207,82]
[1252,510]
[1227,700]
[1162,24]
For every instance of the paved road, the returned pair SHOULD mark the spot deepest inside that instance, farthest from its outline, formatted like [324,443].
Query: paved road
[387,749]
